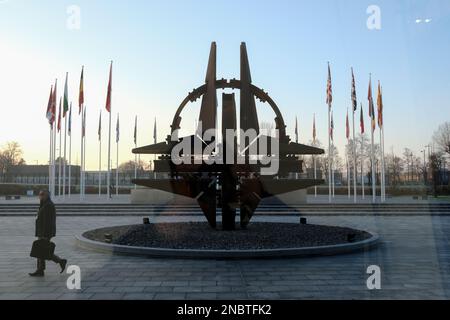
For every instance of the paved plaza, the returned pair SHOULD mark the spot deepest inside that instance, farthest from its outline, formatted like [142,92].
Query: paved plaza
[413,255]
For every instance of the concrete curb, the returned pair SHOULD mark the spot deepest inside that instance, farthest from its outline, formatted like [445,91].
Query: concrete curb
[228,254]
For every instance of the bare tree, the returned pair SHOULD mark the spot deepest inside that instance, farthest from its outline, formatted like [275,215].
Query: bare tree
[10,156]
[442,137]
[395,169]
[407,160]
[435,166]
[129,166]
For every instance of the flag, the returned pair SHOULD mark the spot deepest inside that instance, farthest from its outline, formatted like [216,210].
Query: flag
[347,128]
[329,87]
[154,132]
[354,101]
[332,127]
[70,120]
[314,128]
[100,126]
[66,98]
[361,121]
[83,126]
[135,130]
[380,106]
[108,96]
[81,93]
[54,101]
[296,129]
[49,114]
[371,106]
[117,130]
[59,115]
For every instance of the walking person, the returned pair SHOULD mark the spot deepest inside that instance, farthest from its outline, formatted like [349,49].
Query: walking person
[45,230]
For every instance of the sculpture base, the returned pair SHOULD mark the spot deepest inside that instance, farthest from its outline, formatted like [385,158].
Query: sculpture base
[198,240]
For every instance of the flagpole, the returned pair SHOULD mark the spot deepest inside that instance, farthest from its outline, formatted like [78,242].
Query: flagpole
[70,152]
[329,101]
[381,125]
[355,173]
[117,157]
[117,169]
[363,185]
[60,163]
[155,139]
[314,157]
[329,154]
[109,144]
[81,146]
[296,141]
[84,156]
[383,178]
[381,156]
[65,155]
[354,108]
[50,159]
[348,170]
[108,180]
[100,157]
[373,166]
[54,158]
[332,154]
[135,155]
[372,129]
[135,166]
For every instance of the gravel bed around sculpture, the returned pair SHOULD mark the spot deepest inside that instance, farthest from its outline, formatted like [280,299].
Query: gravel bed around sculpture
[199,236]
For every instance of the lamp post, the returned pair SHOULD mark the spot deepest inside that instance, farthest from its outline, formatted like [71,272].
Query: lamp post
[424,167]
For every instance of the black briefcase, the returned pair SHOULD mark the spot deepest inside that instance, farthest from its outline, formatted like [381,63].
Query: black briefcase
[43,249]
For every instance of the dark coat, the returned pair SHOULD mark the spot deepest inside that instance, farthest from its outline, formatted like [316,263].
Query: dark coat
[46,220]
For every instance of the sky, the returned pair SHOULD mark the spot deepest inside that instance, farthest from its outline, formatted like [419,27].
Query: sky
[160,51]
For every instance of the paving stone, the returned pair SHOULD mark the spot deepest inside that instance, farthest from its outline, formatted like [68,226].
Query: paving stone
[414,257]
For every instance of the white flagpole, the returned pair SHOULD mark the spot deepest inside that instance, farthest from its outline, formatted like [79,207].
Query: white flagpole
[314,157]
[329,154]
[117,160]
[135,155]
[108,180]
[60,162]
[84,156]
[54,158]
[355,173]
[117,169]
[362,168]
[100,157]
[329,100]
[81,158]
[348,171]
[333,169]
[155,140]
[65,155]
[383,176]
[50,160]
[373,165]
[70,154]
[383,181]
[109,143]
[315,176]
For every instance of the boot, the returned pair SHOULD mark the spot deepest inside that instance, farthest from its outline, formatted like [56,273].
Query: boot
[63,263]
[37,273]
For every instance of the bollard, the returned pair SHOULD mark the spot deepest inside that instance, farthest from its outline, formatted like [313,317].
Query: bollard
[108,238]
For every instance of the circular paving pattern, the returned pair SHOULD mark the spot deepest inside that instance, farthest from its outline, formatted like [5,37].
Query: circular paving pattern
[198,240]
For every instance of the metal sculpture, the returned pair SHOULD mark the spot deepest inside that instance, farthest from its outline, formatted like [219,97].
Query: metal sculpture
[235,184]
